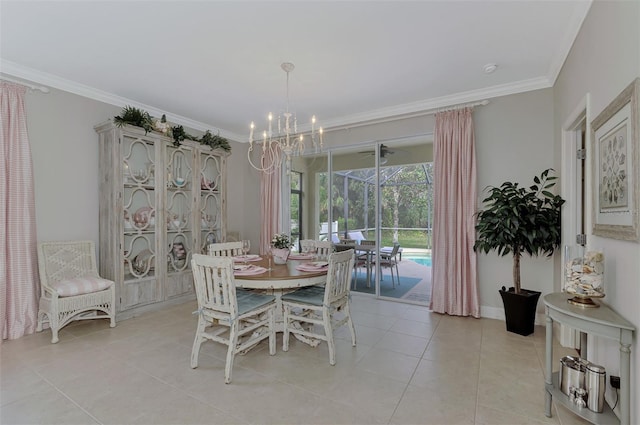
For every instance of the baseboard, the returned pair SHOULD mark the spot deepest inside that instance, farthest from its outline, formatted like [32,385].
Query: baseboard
[498,314]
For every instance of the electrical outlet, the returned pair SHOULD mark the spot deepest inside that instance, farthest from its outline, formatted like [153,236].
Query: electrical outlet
[615,381]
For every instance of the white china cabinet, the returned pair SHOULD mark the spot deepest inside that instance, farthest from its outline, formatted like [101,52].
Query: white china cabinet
[159,203]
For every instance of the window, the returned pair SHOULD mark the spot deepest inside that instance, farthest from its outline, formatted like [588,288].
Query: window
[296,207]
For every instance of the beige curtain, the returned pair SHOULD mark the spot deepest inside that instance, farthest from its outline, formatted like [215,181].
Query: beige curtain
[454,287]
[270,203]
[19,281]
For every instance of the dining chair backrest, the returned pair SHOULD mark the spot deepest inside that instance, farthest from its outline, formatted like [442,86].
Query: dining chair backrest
[225,249]
[307,245]
[323,248]
[367,242]
[338,277]
[214,283]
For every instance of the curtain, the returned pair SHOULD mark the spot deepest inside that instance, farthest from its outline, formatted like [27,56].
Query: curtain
[454,287]
[270,202]
[19,281]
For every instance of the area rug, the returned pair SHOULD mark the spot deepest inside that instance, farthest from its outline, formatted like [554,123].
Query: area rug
[386,289]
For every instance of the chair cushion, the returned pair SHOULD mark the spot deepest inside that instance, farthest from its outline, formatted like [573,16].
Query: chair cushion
[248,301]
[313,295]
[81,285]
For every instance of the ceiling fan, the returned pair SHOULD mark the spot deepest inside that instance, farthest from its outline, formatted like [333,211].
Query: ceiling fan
[385,151]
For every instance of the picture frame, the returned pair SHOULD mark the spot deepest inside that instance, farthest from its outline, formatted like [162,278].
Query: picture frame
[616,167]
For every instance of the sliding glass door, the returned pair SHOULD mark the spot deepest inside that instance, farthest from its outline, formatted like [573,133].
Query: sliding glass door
[378,198]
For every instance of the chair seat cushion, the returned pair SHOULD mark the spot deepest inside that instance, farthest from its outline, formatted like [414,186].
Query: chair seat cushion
[248,301]
[313,295]
[81,285]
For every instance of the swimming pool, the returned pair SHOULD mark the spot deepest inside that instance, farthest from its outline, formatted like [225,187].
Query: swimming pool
[425,261]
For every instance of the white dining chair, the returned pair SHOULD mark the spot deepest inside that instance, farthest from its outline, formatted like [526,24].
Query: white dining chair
[323,249]
[239,320]
[307,245]
[317,306]
[225,249]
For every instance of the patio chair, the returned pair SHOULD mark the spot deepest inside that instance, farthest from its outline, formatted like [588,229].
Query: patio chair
[364,260]
[317,306]
[390,260]
[71,288]
[356,236]
[225,249]
[238,320]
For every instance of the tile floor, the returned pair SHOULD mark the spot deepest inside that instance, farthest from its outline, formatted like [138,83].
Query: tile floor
[410,366]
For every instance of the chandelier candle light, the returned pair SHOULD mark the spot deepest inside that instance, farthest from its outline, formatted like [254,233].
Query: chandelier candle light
[286,141]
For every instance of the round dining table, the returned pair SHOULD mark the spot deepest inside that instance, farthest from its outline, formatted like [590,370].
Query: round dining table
[280,279]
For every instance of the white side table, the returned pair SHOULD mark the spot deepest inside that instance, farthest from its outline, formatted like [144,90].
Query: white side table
[601,321]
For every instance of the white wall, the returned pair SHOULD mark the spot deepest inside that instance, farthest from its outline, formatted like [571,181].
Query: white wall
[514,142]
[604,59]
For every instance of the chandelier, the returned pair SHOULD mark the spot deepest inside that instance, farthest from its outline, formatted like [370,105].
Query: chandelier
[286,142]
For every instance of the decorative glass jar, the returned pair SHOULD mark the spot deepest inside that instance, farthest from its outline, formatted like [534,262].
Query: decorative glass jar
[584,275]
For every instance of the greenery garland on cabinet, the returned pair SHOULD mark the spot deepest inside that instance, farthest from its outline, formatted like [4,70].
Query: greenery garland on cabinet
[139,118]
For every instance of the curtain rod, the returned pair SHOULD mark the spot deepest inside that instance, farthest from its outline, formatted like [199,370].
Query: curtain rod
[43,89]
[461,106]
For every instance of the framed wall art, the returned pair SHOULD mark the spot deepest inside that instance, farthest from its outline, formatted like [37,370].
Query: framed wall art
[616,156]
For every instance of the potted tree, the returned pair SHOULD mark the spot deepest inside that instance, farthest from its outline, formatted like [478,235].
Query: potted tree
[519,220]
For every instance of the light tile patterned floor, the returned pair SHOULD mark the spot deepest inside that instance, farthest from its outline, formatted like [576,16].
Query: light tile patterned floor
[410,366]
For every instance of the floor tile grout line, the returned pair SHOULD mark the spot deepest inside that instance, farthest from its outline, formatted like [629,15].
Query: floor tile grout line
[68,397]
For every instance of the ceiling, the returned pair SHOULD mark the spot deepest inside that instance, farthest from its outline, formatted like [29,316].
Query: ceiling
[216,64]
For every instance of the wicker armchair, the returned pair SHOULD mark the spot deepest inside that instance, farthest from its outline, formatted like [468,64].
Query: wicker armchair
[71,288]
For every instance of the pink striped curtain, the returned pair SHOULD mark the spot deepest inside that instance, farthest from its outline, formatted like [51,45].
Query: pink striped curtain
[454,287]
[19,281]
[270,205]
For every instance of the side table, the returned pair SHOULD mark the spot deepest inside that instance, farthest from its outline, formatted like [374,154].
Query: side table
[601,321]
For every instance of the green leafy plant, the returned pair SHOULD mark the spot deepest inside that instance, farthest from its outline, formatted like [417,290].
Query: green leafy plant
[215,141]
[134,116]
[520,220]
[179,135]
[209,139]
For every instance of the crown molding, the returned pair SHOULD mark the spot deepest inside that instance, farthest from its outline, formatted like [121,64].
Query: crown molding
[25,73]
[393,113]
[573,28]
[429,106]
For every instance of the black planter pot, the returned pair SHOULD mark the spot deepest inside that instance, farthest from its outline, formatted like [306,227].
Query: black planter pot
[520,310]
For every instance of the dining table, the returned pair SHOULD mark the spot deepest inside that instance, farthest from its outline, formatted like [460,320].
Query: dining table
[279,279]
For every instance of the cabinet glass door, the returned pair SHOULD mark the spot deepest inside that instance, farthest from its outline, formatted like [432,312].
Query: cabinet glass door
[210,200]
[179,218]
[139,208]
